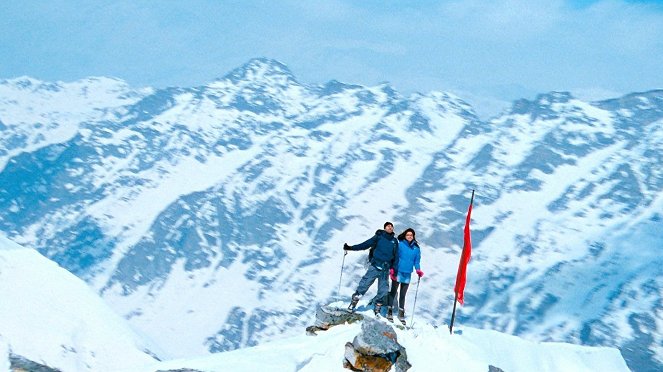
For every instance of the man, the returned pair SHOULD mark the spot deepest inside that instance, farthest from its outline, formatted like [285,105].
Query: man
[383,257]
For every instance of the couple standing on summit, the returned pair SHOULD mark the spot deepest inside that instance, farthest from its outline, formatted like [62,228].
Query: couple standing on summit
[392,256]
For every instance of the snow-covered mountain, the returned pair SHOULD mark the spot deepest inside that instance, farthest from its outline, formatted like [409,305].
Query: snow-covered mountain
[53,318]
[428,349]
[220,210]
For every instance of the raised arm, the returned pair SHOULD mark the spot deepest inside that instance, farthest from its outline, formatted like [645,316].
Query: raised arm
[365,245]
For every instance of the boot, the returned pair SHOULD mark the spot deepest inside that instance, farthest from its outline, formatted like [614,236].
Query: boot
[377,309]
[353,302]
[390,314]
[401,315]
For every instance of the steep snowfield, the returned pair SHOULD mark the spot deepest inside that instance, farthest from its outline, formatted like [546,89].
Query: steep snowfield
[51,317]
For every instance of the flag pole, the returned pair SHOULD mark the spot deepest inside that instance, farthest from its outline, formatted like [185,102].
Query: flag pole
[453,316]
[453,313]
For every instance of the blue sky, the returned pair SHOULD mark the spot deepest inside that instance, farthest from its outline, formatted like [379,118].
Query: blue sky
[488,52]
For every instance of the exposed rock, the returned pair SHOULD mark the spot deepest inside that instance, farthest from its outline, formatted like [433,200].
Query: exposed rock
[492,368]
[356,361]
[376,337]
[375,348]
[402,363]
[328,316]
[21,364]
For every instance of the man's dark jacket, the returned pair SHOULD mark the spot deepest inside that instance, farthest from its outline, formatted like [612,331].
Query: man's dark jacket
[384,246]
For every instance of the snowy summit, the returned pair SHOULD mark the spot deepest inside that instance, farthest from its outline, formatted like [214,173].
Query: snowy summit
[51,318]
[428,348]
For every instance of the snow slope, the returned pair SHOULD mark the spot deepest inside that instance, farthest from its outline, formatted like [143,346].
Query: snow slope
[428,348]
[51,317]
[4,355]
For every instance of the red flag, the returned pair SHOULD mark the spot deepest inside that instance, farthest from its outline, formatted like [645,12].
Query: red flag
[465,256]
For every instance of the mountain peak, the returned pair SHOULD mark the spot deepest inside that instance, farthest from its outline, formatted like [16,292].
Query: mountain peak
[553,97]
[652,99]
[335,86]
[541,102]
[260,69]
[22,82]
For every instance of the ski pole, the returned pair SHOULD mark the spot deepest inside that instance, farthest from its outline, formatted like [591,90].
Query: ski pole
[341,278]
[416,292]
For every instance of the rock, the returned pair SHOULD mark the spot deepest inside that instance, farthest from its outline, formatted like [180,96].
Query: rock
[356,361]
[492,368]
[310,330]
[21,364]
[375,348]
[328,316]
[402,363]
[376,337]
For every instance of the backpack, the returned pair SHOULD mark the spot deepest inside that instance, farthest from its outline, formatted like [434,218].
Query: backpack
[370,251]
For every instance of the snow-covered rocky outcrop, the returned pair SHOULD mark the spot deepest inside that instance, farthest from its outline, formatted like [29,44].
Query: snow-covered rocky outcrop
[428,349]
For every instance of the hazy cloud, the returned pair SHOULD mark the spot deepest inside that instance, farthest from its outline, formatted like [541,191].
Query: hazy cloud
[501,50]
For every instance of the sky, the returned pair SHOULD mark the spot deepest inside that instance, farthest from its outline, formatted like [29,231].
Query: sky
[487,52]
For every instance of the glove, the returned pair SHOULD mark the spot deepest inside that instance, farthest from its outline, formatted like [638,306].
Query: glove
[392,275]
[420,273]
[346,247]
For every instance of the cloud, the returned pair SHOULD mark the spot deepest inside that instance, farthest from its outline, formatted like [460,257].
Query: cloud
[594,94]
[503,20]
[385,47]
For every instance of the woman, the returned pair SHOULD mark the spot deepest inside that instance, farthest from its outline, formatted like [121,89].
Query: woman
[409,256]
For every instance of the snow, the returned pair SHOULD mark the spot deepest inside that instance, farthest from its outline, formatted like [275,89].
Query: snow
[4,355]
[48,113]
[49,316]
[299,162]
[428,348]
[184,330]
[143,207]
[53,318]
